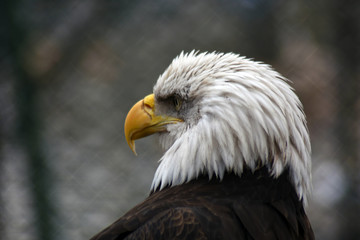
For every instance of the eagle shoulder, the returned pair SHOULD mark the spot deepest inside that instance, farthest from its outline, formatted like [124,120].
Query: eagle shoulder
[254,206]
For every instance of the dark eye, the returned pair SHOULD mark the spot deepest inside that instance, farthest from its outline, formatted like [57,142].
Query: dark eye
[177,103]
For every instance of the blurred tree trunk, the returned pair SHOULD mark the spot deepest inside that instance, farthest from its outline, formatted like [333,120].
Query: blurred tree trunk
[346,43]
[3,30]
[26,88]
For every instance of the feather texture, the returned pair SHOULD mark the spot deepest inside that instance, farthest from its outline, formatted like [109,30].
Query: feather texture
[254,206]
[242,113]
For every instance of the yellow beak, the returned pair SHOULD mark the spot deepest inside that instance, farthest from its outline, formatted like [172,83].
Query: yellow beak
[141,121]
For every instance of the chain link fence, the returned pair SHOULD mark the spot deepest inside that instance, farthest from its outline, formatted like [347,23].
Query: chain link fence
[70,71]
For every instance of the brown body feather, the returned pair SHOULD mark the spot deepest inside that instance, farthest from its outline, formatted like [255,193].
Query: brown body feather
[253,206]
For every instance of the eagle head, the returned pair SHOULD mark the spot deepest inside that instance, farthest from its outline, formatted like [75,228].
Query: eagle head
[217,113]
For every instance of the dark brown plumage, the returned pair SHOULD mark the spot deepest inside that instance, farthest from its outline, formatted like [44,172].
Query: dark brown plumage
[253,206]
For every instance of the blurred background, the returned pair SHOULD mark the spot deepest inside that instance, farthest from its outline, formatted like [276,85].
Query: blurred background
[71,70]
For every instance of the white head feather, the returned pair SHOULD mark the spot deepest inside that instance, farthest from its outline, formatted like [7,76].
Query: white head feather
[237,113]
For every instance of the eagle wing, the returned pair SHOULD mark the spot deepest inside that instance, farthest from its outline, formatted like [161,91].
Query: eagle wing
[251,207]
[194,222]
[176,223]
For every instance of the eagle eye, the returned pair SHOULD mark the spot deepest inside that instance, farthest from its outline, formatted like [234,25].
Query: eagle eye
[176,102]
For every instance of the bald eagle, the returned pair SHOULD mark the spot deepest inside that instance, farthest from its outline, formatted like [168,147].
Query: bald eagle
[236,162]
